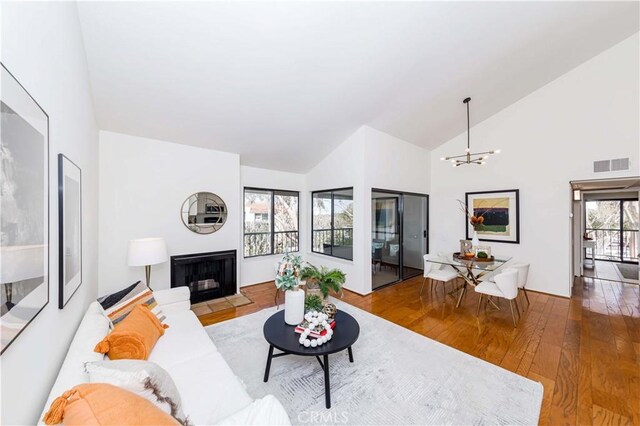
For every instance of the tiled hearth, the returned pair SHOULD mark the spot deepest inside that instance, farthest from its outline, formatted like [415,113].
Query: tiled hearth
[220,304]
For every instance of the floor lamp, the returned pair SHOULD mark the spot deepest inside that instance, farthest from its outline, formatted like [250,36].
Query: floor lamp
[146,252]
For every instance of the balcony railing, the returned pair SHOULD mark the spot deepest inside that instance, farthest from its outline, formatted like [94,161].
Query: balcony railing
[613,244]
[259,243]
[322,238]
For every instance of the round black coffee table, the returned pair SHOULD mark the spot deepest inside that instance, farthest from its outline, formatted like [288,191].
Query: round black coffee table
[281,336]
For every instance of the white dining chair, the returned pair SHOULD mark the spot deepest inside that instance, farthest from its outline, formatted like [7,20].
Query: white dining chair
[436,274]
[505,285]
[523,275]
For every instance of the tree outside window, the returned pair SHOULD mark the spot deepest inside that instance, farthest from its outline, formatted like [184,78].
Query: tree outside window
[332,222]
[270,222]
[613,224]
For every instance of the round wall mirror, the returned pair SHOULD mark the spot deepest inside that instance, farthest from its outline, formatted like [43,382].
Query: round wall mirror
[204,213]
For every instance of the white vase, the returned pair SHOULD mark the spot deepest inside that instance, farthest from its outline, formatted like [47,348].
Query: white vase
[293,306]
[475,242]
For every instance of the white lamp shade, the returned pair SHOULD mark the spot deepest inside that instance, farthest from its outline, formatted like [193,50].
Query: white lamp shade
[147,251]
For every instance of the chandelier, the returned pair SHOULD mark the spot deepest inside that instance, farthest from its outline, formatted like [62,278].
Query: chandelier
[469,157]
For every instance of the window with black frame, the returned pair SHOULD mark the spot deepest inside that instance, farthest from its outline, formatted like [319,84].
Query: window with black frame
[332,222]
[270,222]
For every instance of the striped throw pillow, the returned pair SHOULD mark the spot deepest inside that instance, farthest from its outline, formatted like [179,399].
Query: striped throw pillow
[118,305]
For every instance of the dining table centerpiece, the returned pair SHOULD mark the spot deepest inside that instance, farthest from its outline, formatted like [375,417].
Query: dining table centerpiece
[475,221]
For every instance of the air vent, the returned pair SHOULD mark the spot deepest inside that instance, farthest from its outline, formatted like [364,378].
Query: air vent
[615,165]
[601,166]
[620,164]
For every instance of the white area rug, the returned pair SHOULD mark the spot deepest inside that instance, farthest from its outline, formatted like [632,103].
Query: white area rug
[399,377]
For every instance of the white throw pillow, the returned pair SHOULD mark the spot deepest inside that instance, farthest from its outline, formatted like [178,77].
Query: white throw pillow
[144,378]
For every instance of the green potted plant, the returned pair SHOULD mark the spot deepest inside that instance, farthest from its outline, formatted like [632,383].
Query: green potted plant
[313,302]
[323,278]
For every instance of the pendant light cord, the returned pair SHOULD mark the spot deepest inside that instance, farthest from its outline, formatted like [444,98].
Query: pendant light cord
[468,135]
[469,157]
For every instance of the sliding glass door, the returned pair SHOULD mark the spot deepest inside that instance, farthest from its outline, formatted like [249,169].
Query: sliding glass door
[385,238]
[399,225]
[414,234]
[613,225]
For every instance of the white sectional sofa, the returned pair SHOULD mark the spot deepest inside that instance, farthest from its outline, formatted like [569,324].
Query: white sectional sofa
[210,391]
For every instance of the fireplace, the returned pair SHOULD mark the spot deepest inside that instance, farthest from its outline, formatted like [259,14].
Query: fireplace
[208,275]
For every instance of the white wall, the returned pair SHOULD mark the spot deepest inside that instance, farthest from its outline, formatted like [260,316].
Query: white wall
[547,139]
[143,180]
[393,164]
[368,159]
[42,47]
[261,268]
[344,167]
[143,183]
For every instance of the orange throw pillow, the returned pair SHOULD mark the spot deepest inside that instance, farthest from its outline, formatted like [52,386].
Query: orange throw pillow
[134,337]
[103,404]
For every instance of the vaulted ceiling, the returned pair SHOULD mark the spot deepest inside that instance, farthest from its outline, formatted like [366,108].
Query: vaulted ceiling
[284,83]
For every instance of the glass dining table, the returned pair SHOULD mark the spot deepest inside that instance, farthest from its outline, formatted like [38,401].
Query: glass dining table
[469,270]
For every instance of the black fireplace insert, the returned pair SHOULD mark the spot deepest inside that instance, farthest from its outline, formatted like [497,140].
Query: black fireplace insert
[208,275]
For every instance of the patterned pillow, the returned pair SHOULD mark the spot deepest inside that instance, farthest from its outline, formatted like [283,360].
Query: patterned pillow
[118,305]
[145,379]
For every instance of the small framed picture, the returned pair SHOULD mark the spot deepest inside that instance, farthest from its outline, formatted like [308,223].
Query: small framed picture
[69,229]
[500,215]
[465,246]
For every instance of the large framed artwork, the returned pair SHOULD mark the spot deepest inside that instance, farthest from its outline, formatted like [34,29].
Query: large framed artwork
[24,209]
[500,215]
[69,229]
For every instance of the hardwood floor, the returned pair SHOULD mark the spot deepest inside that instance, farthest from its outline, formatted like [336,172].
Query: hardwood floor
[584,350]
